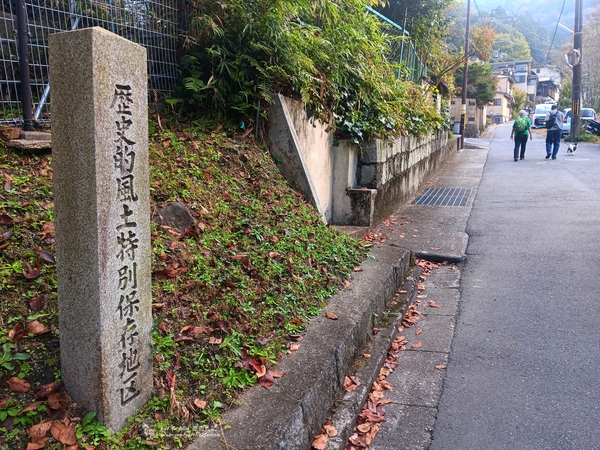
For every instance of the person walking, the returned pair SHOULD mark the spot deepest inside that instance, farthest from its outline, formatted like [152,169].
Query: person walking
[521,132]
[554,124]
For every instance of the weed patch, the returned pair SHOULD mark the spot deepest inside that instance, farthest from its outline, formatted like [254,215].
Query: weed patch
[229,294]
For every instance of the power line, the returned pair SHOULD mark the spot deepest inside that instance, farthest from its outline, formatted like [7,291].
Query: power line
[559,17]
[477,7]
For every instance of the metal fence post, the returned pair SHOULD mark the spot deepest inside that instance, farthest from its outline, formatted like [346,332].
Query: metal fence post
[23,43]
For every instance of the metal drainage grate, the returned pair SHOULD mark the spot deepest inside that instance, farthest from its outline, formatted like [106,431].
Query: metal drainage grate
[443,197]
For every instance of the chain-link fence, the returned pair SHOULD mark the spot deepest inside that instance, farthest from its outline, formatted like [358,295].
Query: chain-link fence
[403,51]
[153,24]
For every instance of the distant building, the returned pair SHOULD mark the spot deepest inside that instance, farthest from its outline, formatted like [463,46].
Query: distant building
[549,83]
[524,77]
[500,110]
[475,117]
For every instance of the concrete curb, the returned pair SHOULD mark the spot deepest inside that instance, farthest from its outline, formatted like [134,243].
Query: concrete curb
[350,406]
[291,413]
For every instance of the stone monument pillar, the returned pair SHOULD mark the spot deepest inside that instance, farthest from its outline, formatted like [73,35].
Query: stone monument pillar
[102,212]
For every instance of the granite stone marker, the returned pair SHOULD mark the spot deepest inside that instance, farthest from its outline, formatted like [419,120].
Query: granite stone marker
[102,214]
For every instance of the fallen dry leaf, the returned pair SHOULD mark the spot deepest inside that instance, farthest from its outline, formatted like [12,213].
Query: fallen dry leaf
[32,273]
[200,403]
[346,284]
[364,428]
[277,374]
[45,390]
[294,347]
[64,432]
[418,331]
[440,367]
[37,302]
[330,430]
[417,345]
[266,380]
[36,328]
[433,304]
[351,384]
[320,442]
[46,256]
[31,407]
[57,400]
[18,385]
[214,340]
[262,371]
[16,333]
[38,443]
[331,315]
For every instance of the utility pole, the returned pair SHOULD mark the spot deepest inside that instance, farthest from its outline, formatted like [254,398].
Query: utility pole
[576,62]
[463,106]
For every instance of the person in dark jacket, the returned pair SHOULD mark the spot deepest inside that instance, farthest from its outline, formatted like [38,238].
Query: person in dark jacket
[554,133]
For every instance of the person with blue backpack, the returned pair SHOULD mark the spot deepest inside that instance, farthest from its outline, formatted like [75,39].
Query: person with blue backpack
[521,132]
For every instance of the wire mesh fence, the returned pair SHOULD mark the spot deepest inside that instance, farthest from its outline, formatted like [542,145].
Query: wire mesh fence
[402,50]
[153,24]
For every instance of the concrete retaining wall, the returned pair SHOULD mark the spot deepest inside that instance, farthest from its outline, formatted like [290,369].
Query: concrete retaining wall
[350,185]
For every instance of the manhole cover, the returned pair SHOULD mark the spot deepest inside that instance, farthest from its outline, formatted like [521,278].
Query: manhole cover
[443,197]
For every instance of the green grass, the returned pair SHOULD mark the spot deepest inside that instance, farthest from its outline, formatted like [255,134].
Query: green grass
[259,264]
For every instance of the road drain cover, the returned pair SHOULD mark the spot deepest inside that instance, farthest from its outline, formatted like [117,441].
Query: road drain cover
[443,197]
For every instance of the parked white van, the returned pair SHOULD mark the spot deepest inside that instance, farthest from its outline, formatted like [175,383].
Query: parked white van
[539,116]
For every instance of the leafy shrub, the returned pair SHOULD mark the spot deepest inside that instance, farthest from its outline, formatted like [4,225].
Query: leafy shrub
[331,55]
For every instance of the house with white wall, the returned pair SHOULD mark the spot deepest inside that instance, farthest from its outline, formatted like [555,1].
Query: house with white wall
[549,83]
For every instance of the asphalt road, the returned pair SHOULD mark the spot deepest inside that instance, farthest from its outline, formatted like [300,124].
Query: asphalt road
[524,364]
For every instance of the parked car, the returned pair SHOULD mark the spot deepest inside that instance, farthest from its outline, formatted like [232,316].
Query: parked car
[586,115]
[539,116]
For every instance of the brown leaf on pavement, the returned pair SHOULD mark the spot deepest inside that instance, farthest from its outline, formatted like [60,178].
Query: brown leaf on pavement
[433,304]
[277,374]
[262,371]
[266,380]
[440,367]
[417,345]
[330,430]
[18,385]
[320,442]
[331,315]
[418,331]
[384,384]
